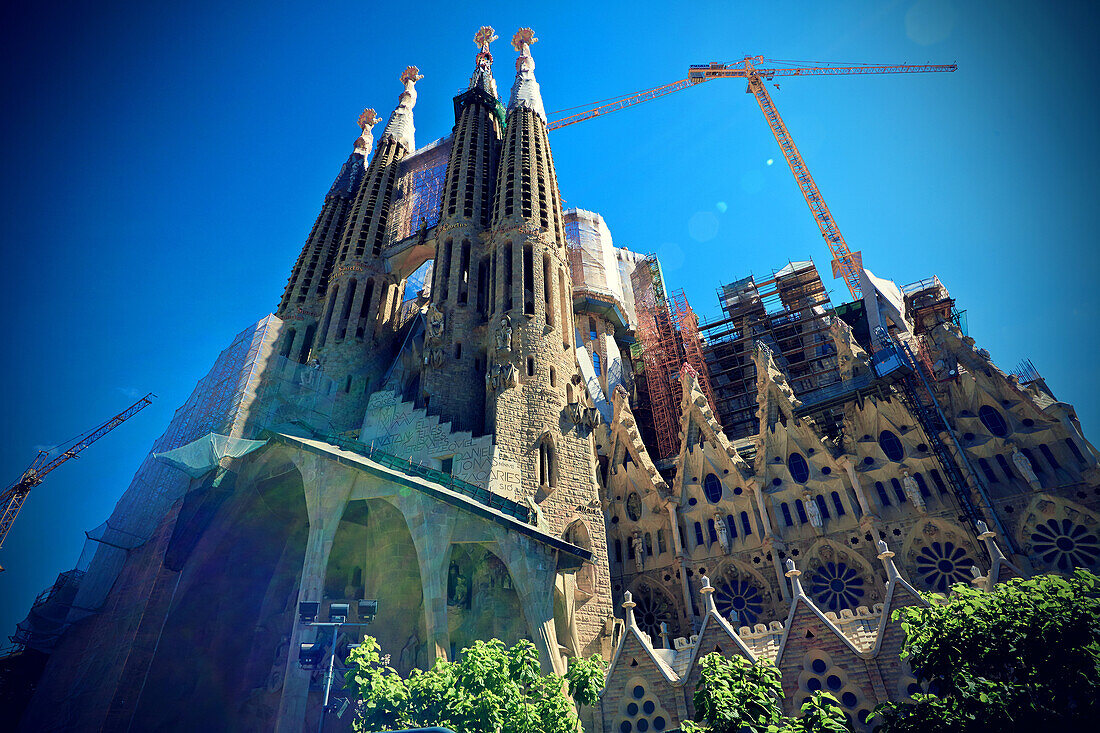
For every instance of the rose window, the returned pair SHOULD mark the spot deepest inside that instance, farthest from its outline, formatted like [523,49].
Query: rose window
[941,565]
[1066,545]
[653,608]
[835,586]
[740,601]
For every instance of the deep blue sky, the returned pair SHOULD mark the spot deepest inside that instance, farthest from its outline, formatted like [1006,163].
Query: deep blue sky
[163,164]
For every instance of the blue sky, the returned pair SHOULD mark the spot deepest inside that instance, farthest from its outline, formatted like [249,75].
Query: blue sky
[163,165]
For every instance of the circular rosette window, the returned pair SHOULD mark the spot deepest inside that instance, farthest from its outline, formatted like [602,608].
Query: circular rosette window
[835,586]
[653,608]
[942,564]
[1065,545]
[739,601]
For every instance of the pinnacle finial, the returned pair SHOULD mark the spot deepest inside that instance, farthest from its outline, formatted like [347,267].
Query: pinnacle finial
[523,37]
[887,558]
[368,119]
[793,572]
[484,36]
[628,606]
[411,75]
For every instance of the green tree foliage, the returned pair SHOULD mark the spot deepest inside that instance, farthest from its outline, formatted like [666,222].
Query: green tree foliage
[491,689]
[739,696]
[1024,657]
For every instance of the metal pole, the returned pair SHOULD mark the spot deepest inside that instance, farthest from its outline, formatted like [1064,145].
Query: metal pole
[328,679]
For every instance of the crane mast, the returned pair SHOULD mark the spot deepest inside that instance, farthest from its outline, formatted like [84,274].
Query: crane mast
[13,497]
[845,263]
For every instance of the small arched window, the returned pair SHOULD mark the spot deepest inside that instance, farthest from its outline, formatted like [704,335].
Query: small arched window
[592,329]
[891,445]
[798,467]
[898,490]
[838,504]
[1049,455]
[801,510]
[923,486]
[787,520]
[712,531]
[1072,445]
[288,343]
[712,488]
[596,363]
[993,420]
[883,498]
[731,524]
[618,551]
[745,525]
[548,471]
[698,534]
[821,505]
[940,486]
[988,470]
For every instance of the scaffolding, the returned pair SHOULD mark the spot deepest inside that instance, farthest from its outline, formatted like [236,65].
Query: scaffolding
[668,337]
[789,313]
[419,189]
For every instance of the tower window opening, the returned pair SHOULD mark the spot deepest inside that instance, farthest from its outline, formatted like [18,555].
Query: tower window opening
[528,279]
[288,343]
[508,275]
[364,309]
[445,272]
[592,334]
[328,315]
[530,366]
[307,343]
[548,472]
[566,327]
[483,287]
[546,289]
[458,350]
[618,551]
[596,363]
[464,274]
[553,379]
[343,329]
[347,384]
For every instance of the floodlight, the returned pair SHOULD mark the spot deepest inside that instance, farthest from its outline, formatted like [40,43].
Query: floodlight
[307,612]
[367,610]
[310,654]
[338,612]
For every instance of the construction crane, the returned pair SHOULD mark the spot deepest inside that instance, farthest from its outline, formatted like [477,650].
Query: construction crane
[13,497]
[845,263]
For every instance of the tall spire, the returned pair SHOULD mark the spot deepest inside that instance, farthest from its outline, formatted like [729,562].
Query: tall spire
[400,127]
[483,70]
[525,90]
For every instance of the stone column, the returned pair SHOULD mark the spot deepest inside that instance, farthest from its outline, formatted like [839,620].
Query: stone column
[857,487]
[678,545]
[431,527]
[326,485]
[765,520]
[532,567]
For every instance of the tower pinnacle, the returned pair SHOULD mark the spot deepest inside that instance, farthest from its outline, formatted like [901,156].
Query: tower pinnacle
[400,127]
[525,90]
[483,69]
[367,120]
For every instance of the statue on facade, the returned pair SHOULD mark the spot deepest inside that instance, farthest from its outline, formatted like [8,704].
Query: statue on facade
[639,550]
[575,412]
[504,334]
[592,417]
[723,530]
[506,375]
[912,491]
[1023,465]
[812,510]
[433,325]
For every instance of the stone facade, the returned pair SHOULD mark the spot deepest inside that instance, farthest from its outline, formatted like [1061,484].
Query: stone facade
[479,468]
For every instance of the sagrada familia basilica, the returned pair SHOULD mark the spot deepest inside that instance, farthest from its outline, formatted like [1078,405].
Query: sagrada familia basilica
[474,408]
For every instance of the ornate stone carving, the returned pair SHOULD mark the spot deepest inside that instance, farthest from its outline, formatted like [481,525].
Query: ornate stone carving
[1023,465]
[812,510]
[722,530]
[504,335]
[639,551]
[591,417]
[433,336]
[912,491]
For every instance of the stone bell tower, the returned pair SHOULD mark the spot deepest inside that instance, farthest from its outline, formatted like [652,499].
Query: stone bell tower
[304,297]
[457,318]
[532,377]
[356,333]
